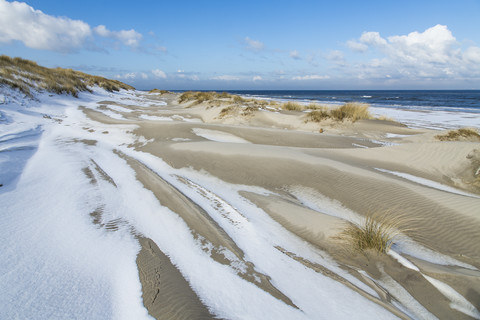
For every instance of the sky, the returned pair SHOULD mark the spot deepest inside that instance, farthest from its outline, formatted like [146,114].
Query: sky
[253,45]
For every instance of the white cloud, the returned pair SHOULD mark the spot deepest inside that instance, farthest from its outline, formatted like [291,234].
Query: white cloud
[311,77]
[159,73]
[37,30]
[19,21]
[257,78]
[372,38]
[254,45]
[472,55]
[129,38]
[433,53]
[436,44]
[295,55]
[127,76]
[132,76]
[226,78]
[357,46]
[367,39]
[182,75]
[335,55]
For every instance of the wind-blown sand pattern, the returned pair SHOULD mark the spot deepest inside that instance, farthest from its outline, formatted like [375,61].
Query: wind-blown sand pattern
[235,216]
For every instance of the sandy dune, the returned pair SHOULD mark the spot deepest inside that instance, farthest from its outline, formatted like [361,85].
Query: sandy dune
[238,215]
[310,183]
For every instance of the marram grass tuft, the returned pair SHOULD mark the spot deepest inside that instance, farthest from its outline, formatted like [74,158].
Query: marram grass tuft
[377,232]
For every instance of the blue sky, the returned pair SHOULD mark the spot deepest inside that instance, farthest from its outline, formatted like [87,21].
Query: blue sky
[253,44]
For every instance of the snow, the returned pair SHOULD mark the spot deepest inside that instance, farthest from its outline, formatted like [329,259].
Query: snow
[219,136]
[403,261]
[438,120]
[457,300]
[155,118]
[56,263]
[429,183]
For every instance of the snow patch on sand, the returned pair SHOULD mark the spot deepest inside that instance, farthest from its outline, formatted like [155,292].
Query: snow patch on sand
[428,183]
[218,136]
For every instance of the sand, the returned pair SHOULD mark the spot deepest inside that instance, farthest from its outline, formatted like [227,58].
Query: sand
[315,182]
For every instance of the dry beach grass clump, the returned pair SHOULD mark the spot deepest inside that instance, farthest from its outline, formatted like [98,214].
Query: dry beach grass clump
[352,111]
[459,134]
[377,232]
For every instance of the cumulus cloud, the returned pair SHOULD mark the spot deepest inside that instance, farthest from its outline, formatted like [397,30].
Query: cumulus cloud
[226,78]
[472,55]
[357,46]
[254,45]
[335,55]
[159,73]
[432,53]
[37,30]
[295,55]
[181,74]
[127,76]
[311,77]
[129,38]
[19,21]
[257,78]
[367,39]
[132,76]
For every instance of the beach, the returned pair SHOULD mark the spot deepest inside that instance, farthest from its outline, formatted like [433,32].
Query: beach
[141,205]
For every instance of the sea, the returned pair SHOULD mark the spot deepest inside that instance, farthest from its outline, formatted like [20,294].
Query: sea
[434,109]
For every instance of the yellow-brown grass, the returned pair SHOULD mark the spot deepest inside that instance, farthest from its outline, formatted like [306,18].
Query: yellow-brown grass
[159,91]
[26,75]
[292,106]
[319,114]
[198,97]
[460,134]
[377,232]
[350,111]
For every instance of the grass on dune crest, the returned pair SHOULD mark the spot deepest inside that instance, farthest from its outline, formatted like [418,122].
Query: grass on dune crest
[26,75]
[198,97]
[161,92]
[292,106]
[459,134]
[352,111]
[377,232]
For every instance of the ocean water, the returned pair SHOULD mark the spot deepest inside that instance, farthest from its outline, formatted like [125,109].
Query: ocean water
[435,109]
[444,100]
